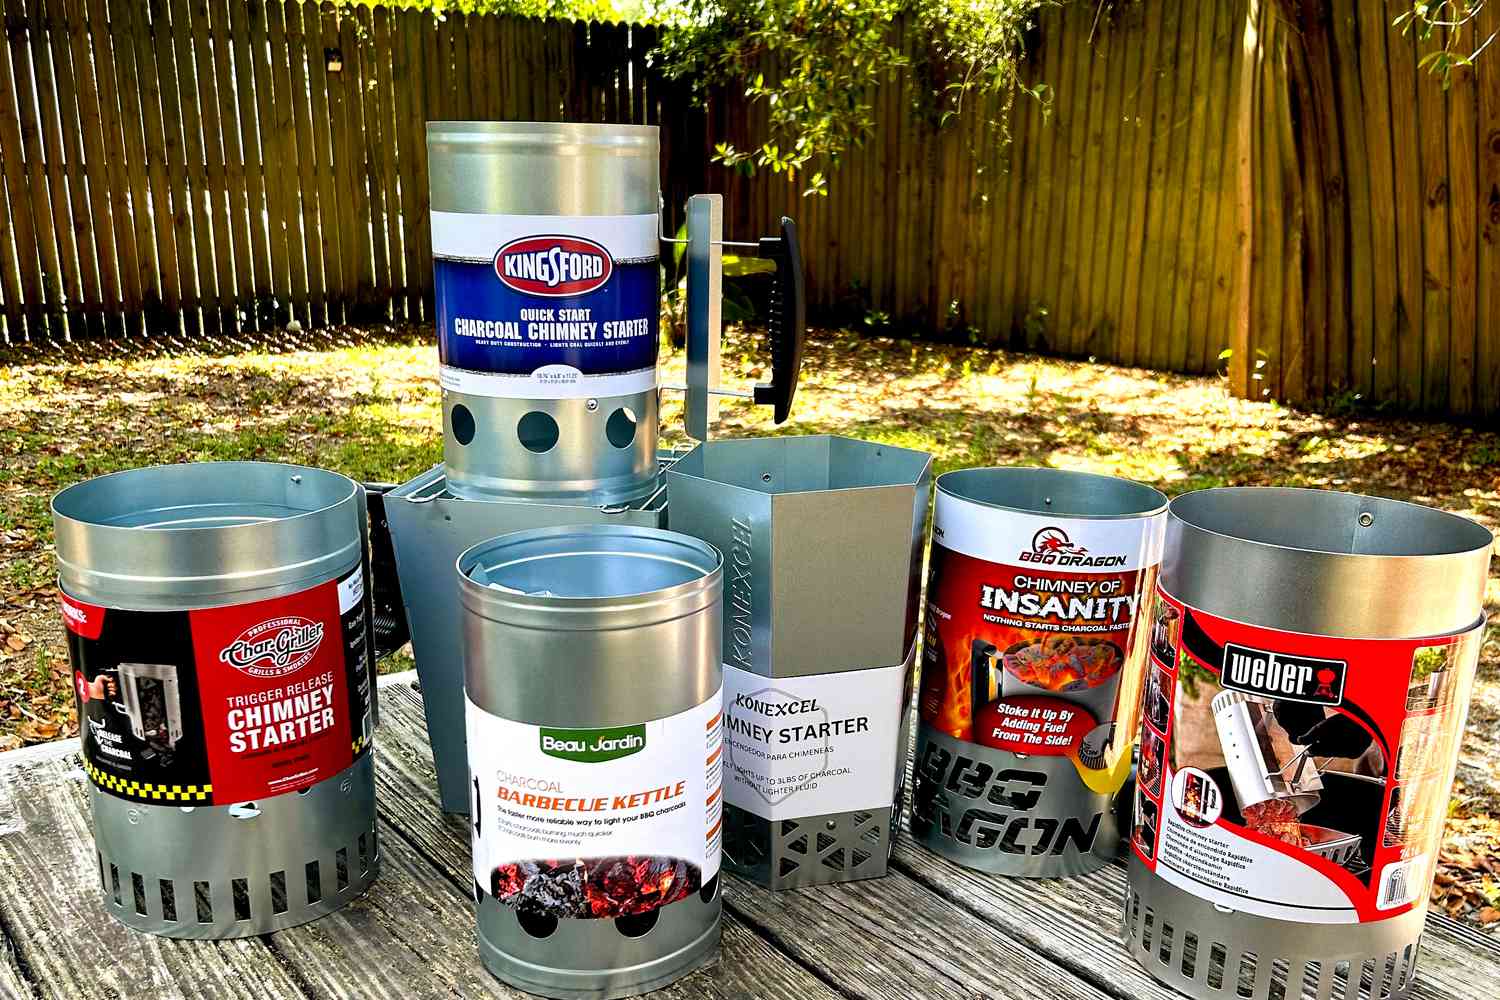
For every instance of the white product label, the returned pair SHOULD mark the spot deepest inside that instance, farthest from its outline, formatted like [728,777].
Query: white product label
[806,746]
[596,822]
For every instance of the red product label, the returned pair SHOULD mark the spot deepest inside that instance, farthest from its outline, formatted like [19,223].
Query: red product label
[226,704]
[1024,658]
[274,693]
[1296,776]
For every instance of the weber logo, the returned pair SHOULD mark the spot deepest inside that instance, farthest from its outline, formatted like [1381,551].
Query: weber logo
[274,648]
[553,266]
[1282,675]
[593,746]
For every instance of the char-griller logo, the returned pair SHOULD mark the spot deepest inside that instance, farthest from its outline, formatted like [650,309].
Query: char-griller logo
[1052,547]
[1283,675]
[553,266]
[274,648]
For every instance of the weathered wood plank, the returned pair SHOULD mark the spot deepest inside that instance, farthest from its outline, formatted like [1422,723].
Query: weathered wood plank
[158,187]
[235,250]
[1355,299]
[1437,291]
[72,164]
[189,109]
[357,171]
[1186,254]
[1463,186]
[301,56]
[213,179]
[24,199]
[394,147]
[413,160]
[252,156]
[1133,315]
[66,945]
[1164,194]
[1402,376]
[1207,311]
[1487,352]
[11,307]
[49,156]
[273,157]
[326,198]
[283,173]
[1107,56]
[93,170]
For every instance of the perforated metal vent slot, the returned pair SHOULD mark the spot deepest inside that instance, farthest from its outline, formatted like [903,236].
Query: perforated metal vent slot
[812,850]
[1208,963]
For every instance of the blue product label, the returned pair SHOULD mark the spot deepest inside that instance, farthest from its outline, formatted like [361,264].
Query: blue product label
[546,306]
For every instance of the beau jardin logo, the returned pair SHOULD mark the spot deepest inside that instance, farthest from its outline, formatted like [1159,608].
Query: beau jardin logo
[593,746]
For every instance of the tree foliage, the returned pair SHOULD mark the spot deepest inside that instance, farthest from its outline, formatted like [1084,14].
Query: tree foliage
[1451,22]
[815,66]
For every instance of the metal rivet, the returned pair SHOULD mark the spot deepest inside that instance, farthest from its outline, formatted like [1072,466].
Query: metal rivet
[346,786]
[134,815]
[1366,519]
[1047,501]
[297,480]
[765,478]
[592,405]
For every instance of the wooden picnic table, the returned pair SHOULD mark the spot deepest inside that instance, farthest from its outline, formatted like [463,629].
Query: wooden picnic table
[928,929]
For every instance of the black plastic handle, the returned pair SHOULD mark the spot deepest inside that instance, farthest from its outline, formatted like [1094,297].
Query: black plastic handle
[788,322]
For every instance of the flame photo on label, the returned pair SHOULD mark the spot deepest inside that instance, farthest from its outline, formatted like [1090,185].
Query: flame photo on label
[274,648]
[553,266]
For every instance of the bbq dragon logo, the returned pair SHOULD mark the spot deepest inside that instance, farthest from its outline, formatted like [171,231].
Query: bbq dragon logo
[274,648]
[1052,547]
[553,266]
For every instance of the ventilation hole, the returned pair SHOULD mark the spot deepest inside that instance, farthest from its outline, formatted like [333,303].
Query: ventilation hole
[1312,978]
[374,847]
[835,860]
[364,856]
[788,827]
[1367,976]
[304,791]
[710,890]
[873,834]
[103,875]
[1277,986]
[1245,978]
[138,891]
[860,857]
[114,883]
[478,893]
[620,427]
[1164,944]
[462,422]
[203,900]
[278,892]
[861,818]
[799,845]
[341,867]
[1410,971]
[1216,958]
[168,898]
[538,925]
[1340,980]
[1389,978]
[825,842]
[636,925]
[788,866]
[1189,953]
[239,890]
[314,881]
[1146,935]
[537,431]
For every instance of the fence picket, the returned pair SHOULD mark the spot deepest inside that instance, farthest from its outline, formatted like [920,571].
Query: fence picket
[300,56]
[27,221]
[91,171]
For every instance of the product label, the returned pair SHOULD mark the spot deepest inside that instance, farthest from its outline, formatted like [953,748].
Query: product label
[1294,776]
[223,705]
[546,306]
[596,822]
[1030,622]
[807,746]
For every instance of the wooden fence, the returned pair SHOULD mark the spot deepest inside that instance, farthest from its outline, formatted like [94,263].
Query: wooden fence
[1274,178]
[207,166]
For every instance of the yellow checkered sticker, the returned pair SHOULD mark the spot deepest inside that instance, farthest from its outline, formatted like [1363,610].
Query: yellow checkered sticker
[147,791]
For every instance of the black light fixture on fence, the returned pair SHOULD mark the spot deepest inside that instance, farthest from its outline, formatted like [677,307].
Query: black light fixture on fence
[335,59]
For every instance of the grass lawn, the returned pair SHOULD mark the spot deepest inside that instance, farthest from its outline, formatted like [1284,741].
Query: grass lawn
[366,404]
